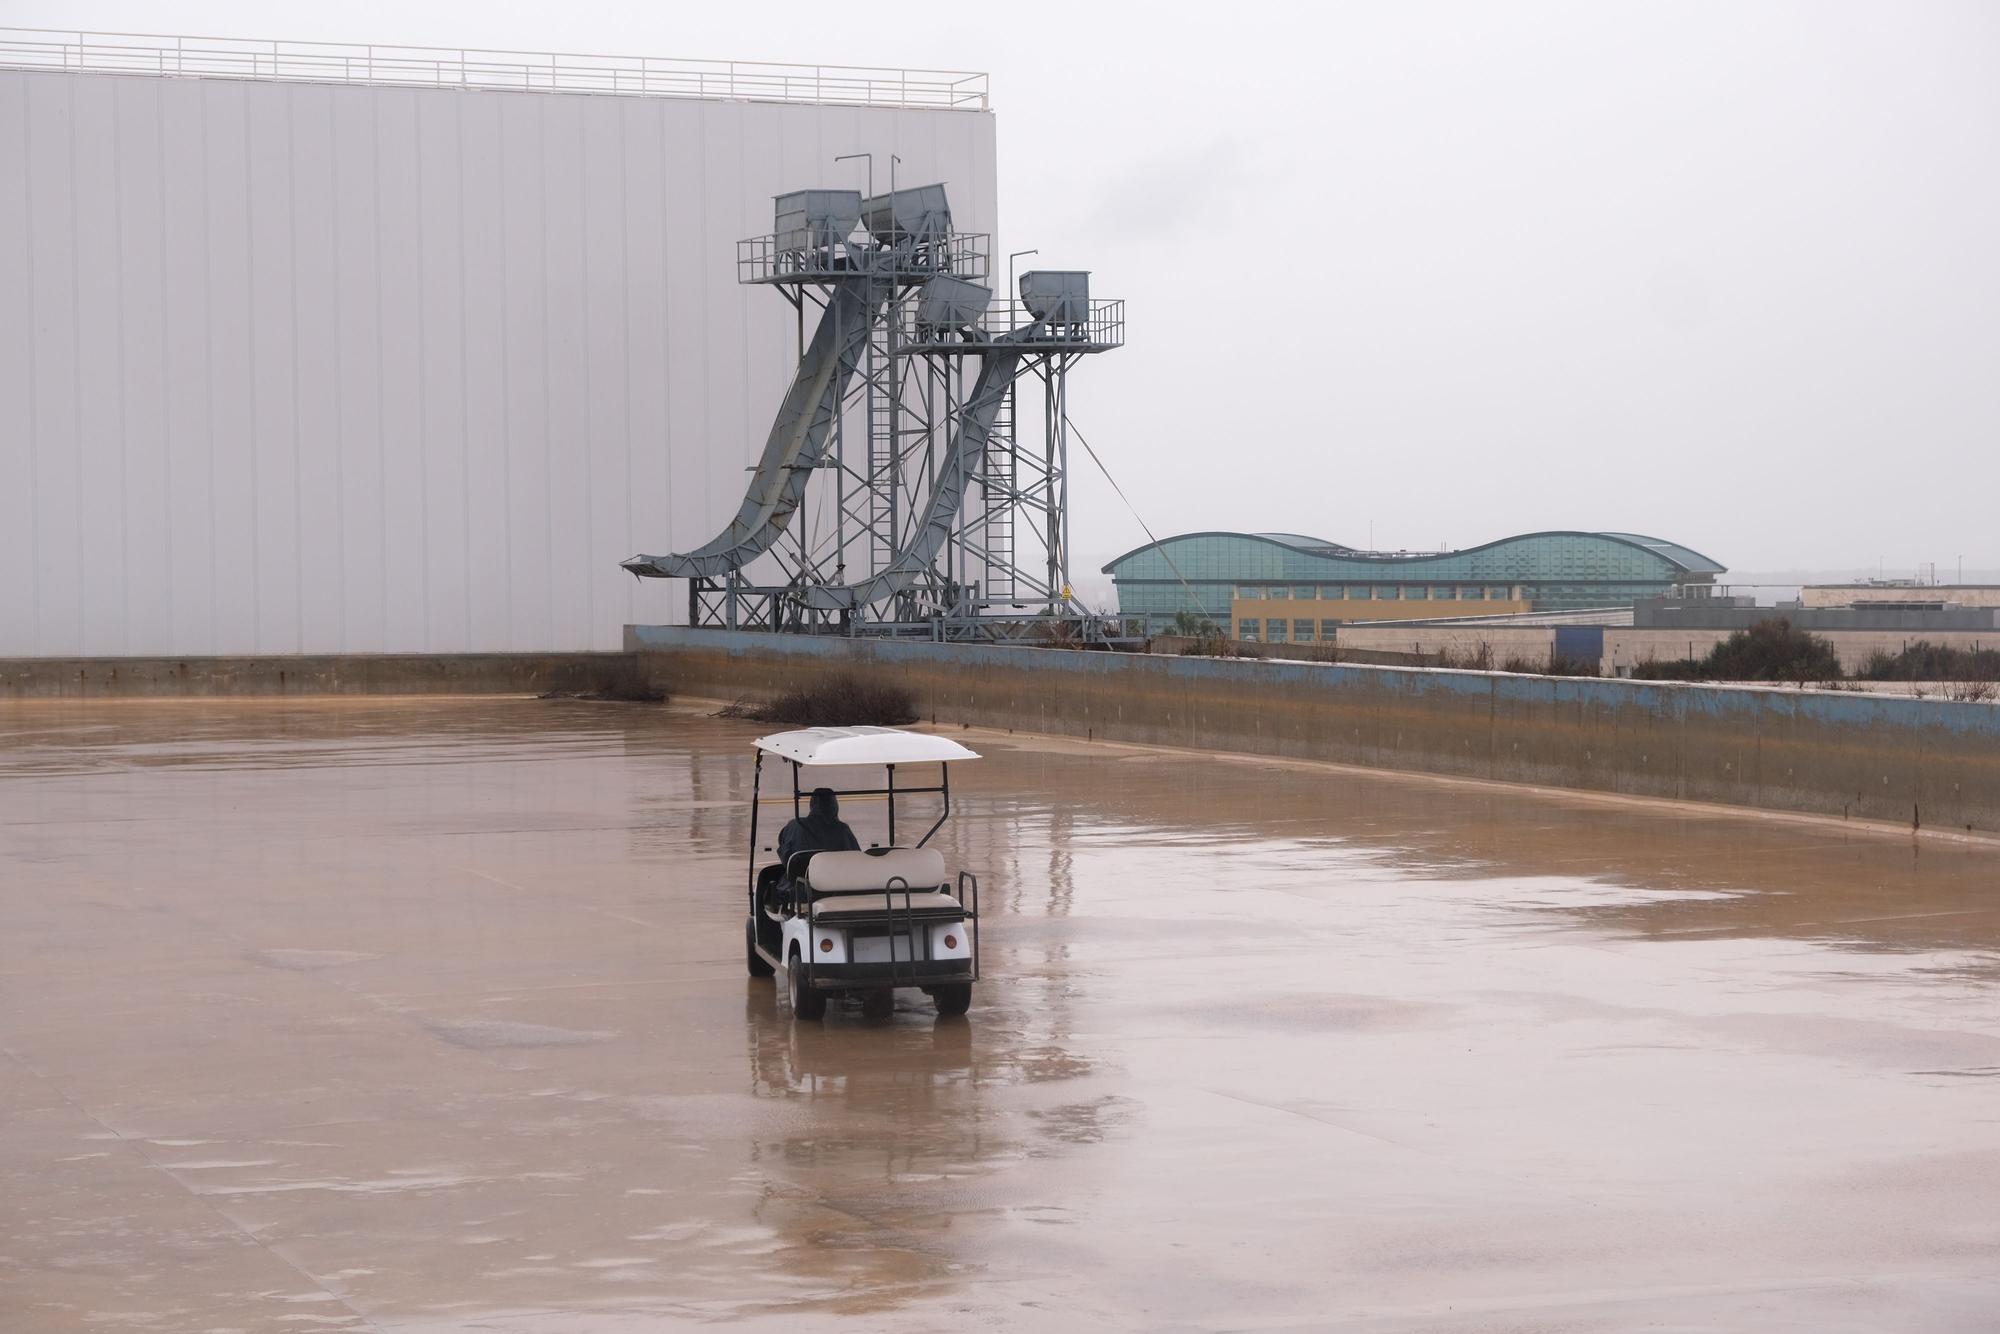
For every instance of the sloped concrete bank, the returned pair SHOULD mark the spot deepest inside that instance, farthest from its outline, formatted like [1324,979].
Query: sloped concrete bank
[615,674]
[1924,762]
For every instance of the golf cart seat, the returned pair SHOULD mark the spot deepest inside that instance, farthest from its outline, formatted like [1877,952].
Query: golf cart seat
[923,903]
[885,868]
[896,880]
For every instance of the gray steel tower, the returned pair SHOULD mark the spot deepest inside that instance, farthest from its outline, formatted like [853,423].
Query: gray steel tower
[948,519]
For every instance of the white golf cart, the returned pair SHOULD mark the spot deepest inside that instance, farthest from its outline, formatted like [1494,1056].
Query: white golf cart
[867,921]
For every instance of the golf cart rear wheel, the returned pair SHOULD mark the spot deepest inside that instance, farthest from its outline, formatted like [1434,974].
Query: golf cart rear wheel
[807,1004]
[953,999]
[751,959]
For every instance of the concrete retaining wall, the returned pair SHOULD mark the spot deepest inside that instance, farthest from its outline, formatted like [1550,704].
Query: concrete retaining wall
[1900,760]
[615,674]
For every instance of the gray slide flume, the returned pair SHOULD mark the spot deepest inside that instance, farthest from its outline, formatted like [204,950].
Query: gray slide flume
[797,441]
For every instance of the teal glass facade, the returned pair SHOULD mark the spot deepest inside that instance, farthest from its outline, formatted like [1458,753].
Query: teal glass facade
[1554,571]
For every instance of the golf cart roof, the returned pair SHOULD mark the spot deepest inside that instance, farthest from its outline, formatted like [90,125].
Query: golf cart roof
[862,745]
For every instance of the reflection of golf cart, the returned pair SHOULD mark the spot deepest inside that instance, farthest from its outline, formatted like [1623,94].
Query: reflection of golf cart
[863,921]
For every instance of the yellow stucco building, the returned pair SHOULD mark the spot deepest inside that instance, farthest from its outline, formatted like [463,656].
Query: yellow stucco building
[1308,613]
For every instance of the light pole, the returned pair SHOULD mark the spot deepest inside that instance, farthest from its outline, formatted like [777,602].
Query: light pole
[849,157]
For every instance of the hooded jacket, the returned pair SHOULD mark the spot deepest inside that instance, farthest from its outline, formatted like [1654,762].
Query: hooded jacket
[820,829]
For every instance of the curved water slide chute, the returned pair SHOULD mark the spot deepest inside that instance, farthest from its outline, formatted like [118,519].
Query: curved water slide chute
[797,441]
[963,461]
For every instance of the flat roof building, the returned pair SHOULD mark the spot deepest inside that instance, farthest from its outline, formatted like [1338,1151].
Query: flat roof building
[1272,586]
[309,348]
[1900,594]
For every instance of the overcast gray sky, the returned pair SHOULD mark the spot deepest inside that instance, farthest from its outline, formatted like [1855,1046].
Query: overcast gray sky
[1728,273]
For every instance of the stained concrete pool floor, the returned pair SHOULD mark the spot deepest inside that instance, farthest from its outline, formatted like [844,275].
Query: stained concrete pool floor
[432,1016]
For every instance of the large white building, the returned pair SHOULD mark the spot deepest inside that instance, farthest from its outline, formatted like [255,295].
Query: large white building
[319,349]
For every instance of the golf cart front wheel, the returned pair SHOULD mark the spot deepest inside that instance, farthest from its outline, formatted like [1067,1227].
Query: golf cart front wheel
[953,1000]
[751,959]
[807,1004]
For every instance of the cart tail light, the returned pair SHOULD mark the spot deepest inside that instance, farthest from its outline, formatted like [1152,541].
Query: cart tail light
[951,942]
[826,945]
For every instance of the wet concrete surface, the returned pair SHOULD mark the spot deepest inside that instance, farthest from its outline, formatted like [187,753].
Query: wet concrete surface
[432,1016]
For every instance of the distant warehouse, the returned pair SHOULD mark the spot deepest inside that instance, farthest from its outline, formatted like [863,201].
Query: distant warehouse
[1282,587]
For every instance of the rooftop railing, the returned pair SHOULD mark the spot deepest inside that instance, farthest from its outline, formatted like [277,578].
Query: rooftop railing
[470,68]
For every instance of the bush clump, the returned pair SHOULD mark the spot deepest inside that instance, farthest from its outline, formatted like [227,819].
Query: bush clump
[1205,638]
[834,701]
[1925,661]
[1771,650]
[1196,626]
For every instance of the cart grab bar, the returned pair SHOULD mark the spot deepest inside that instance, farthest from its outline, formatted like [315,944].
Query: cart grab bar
[969,904]
[909,923]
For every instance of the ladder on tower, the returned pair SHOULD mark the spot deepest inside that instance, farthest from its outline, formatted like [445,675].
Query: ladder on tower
[884,461]
[998,479]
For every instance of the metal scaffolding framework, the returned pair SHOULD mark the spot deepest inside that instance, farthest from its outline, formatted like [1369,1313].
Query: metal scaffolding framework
[928,422]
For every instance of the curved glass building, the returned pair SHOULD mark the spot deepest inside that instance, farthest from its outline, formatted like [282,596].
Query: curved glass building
[1272,586]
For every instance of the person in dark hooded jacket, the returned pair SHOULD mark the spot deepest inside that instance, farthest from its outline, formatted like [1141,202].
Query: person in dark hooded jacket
[820,829]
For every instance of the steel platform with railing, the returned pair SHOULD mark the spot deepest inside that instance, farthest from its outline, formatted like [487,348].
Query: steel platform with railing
[769,259]
[1101,329]
[469,68]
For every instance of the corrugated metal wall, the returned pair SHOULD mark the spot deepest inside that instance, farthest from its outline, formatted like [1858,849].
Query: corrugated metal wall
[301,368]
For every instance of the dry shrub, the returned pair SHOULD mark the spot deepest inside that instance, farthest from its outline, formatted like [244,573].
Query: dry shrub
[1557,665]
[1669,669]
[1478,658]
[1554,665]
[835,701]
